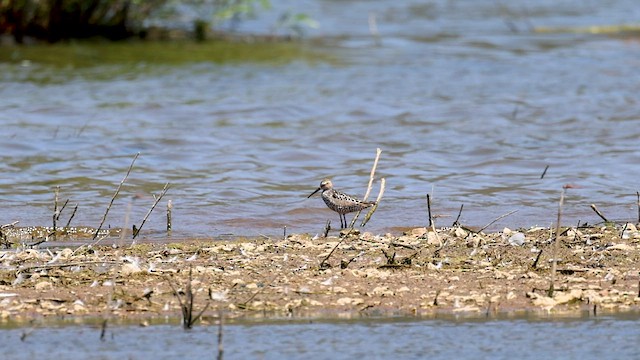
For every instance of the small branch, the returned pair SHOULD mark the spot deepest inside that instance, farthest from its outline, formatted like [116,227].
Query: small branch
[594,208]
[104,218]
[496,219]
[373,209]
[164,191]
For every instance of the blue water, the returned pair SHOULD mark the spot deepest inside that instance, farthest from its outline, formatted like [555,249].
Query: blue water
[463,106]
[594,338]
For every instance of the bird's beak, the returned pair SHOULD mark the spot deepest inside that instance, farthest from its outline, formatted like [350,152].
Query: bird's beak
[313,193]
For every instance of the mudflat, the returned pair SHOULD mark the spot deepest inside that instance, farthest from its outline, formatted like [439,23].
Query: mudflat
[419,273]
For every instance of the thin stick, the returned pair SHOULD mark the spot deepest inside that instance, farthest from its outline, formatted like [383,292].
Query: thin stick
[56,213]
[327,228]
[322,263]
[638,196]
[544,172]
[62,208]
[164,191]
[429,210]
[535,263]
[457,222]
[373,209]
[169,207]
[114,197]
[554,264]
[125,227]
[498,218]
[10,225]
[72,215]
[220,346]
[594,208]
[104,330]
[369,186]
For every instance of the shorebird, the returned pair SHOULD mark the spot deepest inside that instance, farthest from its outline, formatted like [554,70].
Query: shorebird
[340,202]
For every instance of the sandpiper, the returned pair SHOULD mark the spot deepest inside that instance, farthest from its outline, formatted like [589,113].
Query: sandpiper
[340,202]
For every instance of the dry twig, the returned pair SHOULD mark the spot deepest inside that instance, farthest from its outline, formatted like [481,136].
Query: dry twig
[369,186]
[373,209]
[104,218]
[164,191]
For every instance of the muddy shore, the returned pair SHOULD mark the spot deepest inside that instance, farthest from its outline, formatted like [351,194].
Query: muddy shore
[419,273]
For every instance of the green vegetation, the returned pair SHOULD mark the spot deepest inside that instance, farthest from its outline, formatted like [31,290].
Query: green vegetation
[88,54]
[57,20]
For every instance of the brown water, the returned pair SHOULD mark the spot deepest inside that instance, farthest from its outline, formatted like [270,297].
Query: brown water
[463,107]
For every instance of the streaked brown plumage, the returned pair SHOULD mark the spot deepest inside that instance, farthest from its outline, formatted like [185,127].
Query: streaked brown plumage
[340,202]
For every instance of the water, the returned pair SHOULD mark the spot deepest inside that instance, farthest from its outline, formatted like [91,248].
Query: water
[595,338]
[462,106]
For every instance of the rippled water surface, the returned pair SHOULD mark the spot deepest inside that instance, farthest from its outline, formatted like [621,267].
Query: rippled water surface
[599,338]
[464,99]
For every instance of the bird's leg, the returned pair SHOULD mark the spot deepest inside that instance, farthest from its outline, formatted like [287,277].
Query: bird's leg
[344,217]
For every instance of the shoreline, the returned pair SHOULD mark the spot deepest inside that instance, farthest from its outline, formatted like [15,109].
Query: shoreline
[422,274]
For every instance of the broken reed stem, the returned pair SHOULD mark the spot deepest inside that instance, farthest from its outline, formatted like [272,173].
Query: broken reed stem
[457,222]
[164,191]
[594,208]
[429,210]
[72,215]
[369,186]
[169,207]
[554,263]
[104,218]
[496,219]
[373,209]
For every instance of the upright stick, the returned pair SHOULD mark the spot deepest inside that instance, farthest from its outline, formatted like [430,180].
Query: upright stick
[169,207]
[56,212]
[554,263]
[114,197]
[369,187]
[164,191]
